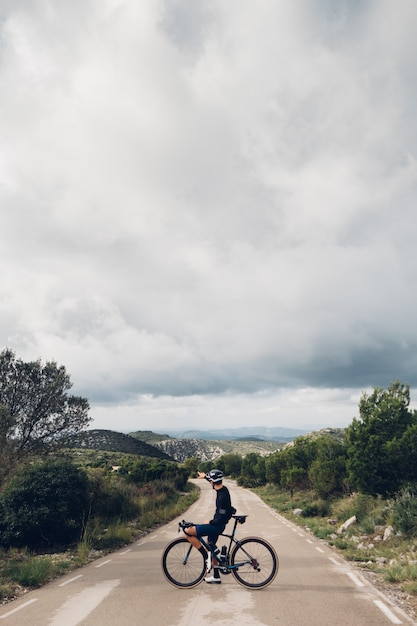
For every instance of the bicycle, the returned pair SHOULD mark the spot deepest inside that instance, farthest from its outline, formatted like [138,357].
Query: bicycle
[252,560]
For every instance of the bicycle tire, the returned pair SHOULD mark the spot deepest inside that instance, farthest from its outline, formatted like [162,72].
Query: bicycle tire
[264,565]
[182,564]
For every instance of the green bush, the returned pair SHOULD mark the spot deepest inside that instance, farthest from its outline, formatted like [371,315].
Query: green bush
[31,573]
[404,512]
[144,471]
[358,504]
[116,536]
[44,506]
[320,508]
[111,496]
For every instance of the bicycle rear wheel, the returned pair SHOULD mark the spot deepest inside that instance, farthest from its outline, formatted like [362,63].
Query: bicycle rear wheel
[254,562]
[182,564]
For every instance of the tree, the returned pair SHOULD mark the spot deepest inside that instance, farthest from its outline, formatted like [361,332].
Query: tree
[7,425]
[405,450]
[274,465]
[327,471]
[37,414]
[231,464]
[191,465]
[298,459]
[374,457]
[252,470]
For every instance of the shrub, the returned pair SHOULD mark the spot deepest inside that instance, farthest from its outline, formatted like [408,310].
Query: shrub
[113,537]
[44,506]
[358,504]
[320,508]
[404,512]
[111,496]
[31,573]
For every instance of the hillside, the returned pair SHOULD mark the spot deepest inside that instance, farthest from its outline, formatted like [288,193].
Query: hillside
[162,446]
[148,436]
[112,441]
[261,433]
[182,449]
[336,433]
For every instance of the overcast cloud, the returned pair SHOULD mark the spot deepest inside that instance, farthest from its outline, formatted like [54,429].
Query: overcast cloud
[208,209]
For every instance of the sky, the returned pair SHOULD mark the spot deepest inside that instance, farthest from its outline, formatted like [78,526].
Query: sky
[208,209]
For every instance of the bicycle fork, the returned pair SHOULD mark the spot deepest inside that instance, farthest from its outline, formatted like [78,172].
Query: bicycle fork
[253,562]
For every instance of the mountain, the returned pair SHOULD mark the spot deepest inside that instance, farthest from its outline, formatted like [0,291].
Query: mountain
[185,448]
[261,433]
[149,436]
[336,433]
[113,441]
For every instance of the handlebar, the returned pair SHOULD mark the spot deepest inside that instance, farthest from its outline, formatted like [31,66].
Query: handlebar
[183,524]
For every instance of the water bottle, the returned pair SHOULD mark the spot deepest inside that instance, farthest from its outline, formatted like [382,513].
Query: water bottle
[223,555]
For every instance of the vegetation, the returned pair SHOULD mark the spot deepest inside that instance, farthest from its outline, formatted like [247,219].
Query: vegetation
[374,542]
[37,414]
[382,443]
[44,505]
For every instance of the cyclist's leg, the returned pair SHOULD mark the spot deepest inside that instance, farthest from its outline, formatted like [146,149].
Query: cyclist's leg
[213,533]
[192,536]
[210,531]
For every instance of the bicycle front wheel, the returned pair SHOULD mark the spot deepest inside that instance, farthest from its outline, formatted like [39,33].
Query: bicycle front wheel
[182,564]
[254,562]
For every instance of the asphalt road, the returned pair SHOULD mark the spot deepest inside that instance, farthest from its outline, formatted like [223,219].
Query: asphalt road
[314,586]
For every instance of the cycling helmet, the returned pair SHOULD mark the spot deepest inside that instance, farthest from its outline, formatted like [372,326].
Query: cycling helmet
[215,476]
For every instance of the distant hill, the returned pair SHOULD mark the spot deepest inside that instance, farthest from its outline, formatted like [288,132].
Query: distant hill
[182,449]
[149,436]
[112,441]
[336,433]
[261,433]
[165,446]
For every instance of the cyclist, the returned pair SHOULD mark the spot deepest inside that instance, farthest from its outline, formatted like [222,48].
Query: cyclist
[215,526]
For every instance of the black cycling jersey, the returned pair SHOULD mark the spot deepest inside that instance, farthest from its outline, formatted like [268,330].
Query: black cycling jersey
[223,507]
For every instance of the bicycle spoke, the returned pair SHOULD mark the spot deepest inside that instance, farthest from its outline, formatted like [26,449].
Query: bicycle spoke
[183,565]
[255,562]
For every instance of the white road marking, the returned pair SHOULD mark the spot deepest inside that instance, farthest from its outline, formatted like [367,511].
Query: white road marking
[387,612]
[319,550]
[104,563]
[71,580]
[125,552]
[309,541]
[19,608]
[355,579]
[80,606]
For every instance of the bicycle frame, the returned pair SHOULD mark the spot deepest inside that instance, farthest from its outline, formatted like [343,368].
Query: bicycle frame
[232,540]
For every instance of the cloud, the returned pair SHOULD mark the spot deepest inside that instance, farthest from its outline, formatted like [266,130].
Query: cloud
[210,201]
